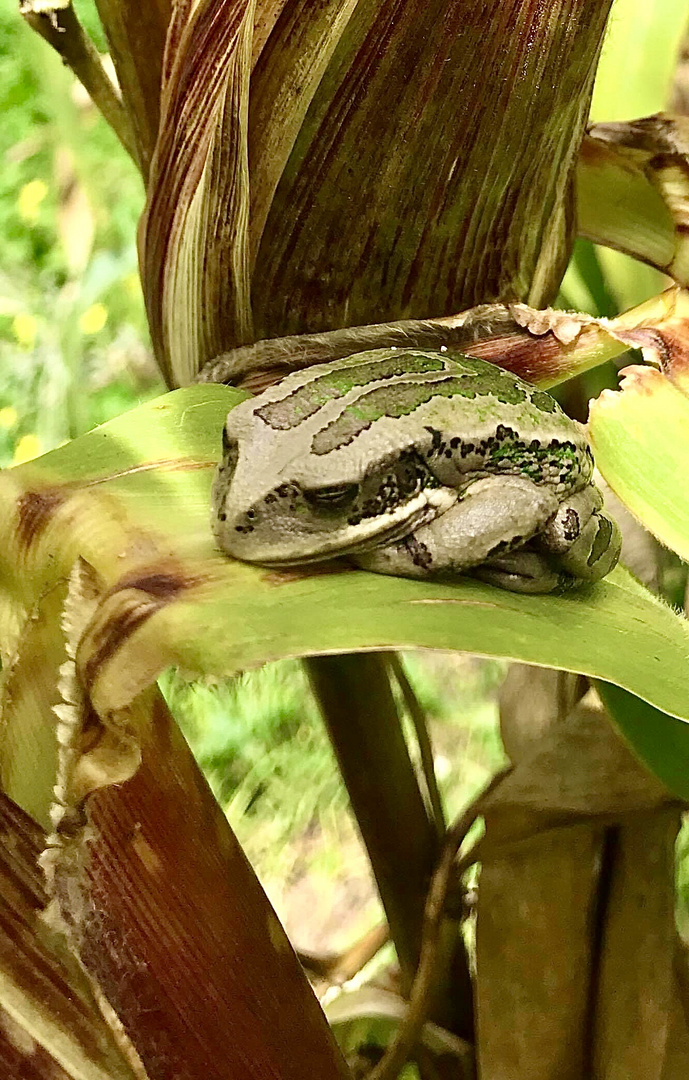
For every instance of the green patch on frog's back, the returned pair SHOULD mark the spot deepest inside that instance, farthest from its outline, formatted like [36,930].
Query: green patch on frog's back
[402,397]
[298,404]
[551,461]
[330,382]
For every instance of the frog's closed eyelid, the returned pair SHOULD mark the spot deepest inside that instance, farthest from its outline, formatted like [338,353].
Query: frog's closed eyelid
[332,497]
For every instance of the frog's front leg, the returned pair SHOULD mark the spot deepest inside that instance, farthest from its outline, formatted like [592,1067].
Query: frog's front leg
[496,515]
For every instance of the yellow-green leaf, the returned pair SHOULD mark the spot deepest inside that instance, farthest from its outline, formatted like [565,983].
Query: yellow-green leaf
[640,437]
[133,499]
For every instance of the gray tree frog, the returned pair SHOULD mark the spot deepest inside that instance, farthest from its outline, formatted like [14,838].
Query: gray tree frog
[416,463]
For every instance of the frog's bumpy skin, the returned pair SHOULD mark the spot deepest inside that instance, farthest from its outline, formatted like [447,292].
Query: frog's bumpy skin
[416,463]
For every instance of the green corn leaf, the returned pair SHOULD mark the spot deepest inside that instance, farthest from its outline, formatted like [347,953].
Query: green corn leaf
[132,498]
[640,437]
[660,740]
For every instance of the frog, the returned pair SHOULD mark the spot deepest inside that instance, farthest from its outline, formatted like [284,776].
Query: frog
[419,463]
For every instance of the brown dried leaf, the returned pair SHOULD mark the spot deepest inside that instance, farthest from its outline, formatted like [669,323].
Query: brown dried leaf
[169,918]
[534,955]
[283,85]
[636,985]
[378,173]
[194,253]
[633,190]
[433,168]
[51,1027]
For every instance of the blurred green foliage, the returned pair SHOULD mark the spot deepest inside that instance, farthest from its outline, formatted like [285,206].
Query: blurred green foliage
[73,336]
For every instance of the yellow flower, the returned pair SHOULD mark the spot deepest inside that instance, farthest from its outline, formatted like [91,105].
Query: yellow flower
[94,319]
[25,328]
[132,284]
[28,447]
[30,198]
[8,417]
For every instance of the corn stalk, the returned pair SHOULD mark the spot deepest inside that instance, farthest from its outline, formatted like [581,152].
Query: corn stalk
[309,168]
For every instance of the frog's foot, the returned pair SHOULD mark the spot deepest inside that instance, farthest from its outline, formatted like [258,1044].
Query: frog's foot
[493,517]
[523,571]
[582,539]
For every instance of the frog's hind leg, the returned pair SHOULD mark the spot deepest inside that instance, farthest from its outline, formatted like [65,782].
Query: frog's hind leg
[495,516]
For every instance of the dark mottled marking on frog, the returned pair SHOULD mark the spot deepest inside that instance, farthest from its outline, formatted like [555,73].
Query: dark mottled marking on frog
[537,460]
[504,451]
[504,546]
[602,541]
[402,479]
[571,526]
[436,442]
[303,402]
[403,398]
[418,552]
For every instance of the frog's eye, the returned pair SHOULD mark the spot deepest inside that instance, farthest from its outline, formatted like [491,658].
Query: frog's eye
[332,497]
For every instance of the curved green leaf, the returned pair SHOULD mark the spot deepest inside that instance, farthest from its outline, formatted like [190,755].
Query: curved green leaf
[659,740]
[132,498]
[640,436]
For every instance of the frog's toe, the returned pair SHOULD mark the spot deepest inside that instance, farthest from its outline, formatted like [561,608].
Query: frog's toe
[596,551]
[520,571]
[566,526]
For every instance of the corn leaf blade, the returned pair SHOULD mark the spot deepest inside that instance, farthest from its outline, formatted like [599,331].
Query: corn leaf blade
[139,513]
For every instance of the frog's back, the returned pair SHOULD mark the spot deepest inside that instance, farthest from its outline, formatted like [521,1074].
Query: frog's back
[464,415]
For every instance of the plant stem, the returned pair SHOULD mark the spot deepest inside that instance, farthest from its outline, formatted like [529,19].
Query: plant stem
[422,989]
[418,719]
[359,710]
[63,31]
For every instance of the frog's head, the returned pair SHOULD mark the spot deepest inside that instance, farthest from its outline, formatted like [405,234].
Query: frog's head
[275,502]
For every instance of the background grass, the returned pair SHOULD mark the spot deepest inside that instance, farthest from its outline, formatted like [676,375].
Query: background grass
[74,347]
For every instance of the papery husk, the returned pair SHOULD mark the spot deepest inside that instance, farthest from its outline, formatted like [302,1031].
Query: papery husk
[633,190]
[377,178]
[54,1024]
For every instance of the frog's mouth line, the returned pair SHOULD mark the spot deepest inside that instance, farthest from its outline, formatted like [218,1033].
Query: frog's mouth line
[425,511]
